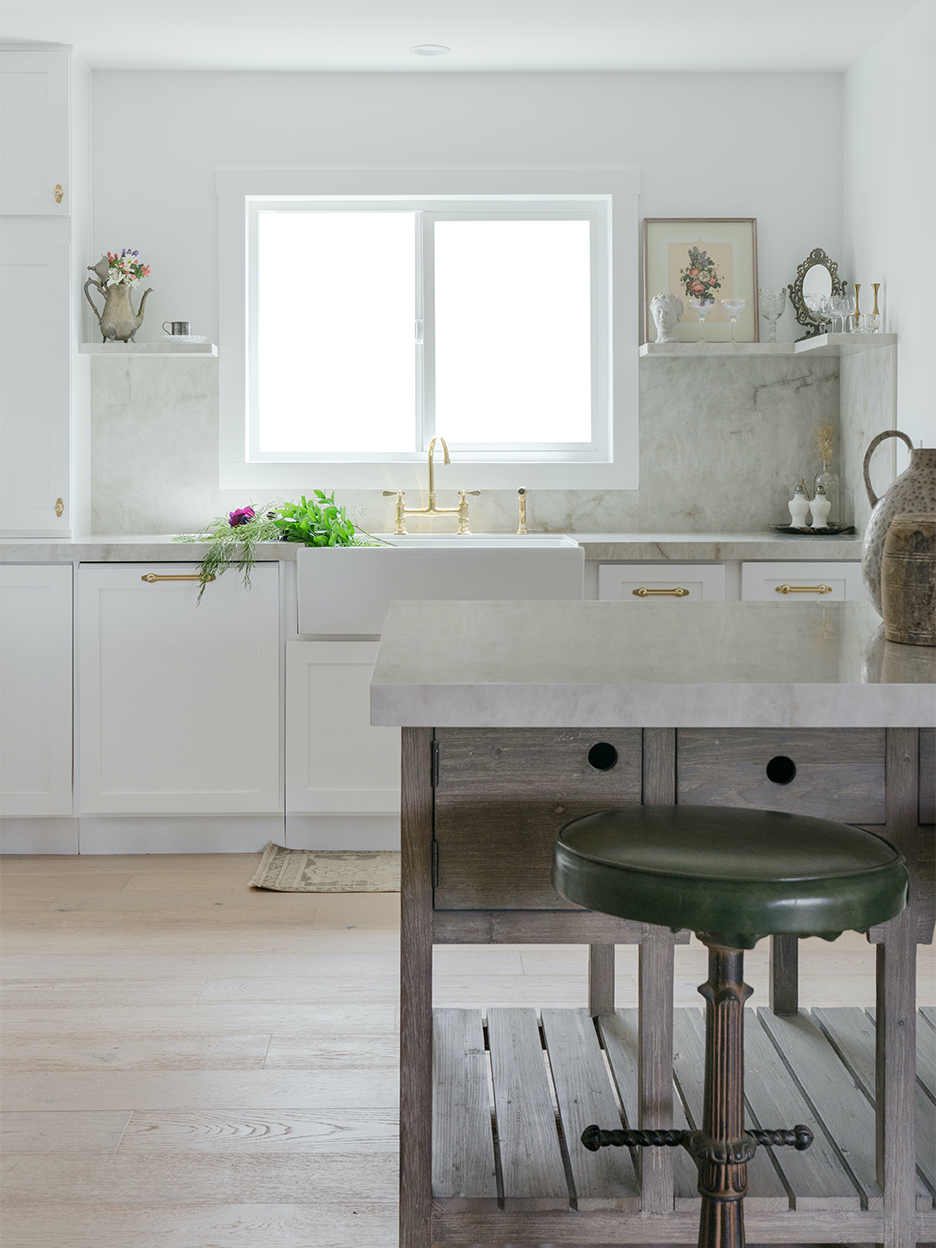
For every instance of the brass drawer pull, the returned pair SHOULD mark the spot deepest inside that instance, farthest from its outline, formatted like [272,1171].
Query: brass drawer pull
[660,593]
[803,589]
[151,578]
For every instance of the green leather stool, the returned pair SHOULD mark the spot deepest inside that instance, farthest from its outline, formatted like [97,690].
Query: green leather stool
[731,876]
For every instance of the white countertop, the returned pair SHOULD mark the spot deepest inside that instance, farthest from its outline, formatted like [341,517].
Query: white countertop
[626,547]
[609,664]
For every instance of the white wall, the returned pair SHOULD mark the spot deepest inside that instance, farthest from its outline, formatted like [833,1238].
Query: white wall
[890,201]
[706,145]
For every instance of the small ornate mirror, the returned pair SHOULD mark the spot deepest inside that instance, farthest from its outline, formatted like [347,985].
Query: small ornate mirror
[816,277]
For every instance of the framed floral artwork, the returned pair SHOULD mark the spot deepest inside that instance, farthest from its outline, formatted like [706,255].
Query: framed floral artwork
[708,260]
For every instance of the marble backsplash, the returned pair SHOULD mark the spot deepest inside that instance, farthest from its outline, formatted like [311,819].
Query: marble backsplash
[722,441]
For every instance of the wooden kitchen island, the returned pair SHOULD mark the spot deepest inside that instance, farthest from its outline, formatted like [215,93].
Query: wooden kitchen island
[518,717]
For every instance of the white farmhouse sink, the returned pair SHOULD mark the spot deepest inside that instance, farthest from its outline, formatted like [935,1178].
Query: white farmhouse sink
[345,590]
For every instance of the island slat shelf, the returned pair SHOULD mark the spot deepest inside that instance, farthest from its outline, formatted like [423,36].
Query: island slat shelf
[513,1092]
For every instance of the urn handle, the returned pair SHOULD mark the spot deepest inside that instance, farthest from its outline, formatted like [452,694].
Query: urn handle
[888,433]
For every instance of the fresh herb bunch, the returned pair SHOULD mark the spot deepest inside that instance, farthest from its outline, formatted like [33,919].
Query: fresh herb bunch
[319,523]
[232,539]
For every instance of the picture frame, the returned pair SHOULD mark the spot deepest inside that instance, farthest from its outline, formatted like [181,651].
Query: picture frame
[728,248]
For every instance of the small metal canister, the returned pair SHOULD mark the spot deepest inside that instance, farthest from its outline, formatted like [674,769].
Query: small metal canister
[908,580]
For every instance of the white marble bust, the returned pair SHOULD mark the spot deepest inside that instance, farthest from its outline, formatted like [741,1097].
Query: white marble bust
[666,309]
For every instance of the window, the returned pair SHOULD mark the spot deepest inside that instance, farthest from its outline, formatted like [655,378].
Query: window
[371,322]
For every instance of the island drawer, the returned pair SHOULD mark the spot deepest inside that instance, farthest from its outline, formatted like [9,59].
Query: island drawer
[830,773]
[502,795]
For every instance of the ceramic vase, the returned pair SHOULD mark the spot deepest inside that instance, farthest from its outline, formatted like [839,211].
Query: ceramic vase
[913,491]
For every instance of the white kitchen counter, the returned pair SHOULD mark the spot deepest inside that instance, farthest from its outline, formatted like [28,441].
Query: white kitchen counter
[609,664]
[599,547]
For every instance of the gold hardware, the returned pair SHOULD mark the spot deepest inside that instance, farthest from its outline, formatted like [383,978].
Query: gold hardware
[432,510]
[803,589]
[58,193]
[857,308]
[875,286]
[400,510]
[151,578]
[59,508]
[522,524]
[661,593]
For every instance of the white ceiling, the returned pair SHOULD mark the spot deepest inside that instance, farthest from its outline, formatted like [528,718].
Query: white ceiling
[701,36]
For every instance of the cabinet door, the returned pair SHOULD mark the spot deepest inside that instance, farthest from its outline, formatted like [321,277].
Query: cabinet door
[34,134]
[36,678]
[34,389]
[802,582]
[654,582]
[336,761]
[178,702]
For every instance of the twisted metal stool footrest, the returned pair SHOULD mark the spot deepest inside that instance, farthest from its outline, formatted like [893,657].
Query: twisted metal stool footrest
[594,1138]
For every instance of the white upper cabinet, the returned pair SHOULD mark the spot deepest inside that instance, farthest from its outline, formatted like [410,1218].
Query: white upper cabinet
[35,389]
[36,679]
[34,134]
[179,704]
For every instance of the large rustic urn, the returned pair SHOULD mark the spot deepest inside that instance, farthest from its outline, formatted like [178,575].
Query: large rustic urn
[914,491]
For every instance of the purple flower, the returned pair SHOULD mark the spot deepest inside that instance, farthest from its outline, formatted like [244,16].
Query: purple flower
[241,516]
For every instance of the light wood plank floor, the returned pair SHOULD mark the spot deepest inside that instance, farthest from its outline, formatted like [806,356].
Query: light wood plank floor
[188,1063]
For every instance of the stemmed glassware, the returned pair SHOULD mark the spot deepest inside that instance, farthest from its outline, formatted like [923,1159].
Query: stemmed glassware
[734,308]
[820,307]
[772,303]
[701,307]
[839,307]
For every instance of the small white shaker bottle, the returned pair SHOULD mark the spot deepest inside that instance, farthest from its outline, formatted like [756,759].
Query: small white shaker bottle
[799,506]
[819,507]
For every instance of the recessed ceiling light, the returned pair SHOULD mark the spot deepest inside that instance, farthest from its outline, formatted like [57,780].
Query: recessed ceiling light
[430,49]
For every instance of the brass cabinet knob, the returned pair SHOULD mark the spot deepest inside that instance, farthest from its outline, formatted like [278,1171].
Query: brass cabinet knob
[59,508]
[58,193]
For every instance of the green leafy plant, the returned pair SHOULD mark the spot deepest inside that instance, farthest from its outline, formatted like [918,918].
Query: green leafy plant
[233,539]
[318,523]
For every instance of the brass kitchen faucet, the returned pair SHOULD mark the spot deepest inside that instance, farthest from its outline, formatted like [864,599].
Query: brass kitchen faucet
[432,510]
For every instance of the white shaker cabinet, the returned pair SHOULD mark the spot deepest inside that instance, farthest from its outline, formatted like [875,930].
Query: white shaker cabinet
[178,702]
[34,133]
[802,582]
[36,681]
[35,388]
[337,762]
[654,583]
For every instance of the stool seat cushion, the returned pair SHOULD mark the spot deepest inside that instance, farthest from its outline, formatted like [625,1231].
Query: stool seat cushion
[728,872]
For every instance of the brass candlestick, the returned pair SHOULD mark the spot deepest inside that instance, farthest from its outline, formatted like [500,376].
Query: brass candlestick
[857,308]
[875,286]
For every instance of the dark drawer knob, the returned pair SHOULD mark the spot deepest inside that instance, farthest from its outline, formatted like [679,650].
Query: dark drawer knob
[602,756]
[781,770]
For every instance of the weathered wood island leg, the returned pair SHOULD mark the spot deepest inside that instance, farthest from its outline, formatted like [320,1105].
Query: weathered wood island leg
[896,1006]
[416,990]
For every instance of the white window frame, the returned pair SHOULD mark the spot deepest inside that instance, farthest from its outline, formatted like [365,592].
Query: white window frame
[609,197]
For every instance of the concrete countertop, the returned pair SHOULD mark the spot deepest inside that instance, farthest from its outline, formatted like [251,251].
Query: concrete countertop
[609,664]
[599,547]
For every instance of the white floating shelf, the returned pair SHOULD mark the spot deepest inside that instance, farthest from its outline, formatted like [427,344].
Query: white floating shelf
[824,345]
[148,348]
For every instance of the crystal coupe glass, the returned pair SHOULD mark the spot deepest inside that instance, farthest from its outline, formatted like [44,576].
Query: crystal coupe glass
[701,307]
[772,303]
[734,308]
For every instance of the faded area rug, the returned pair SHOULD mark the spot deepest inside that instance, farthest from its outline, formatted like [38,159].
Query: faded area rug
[328,870]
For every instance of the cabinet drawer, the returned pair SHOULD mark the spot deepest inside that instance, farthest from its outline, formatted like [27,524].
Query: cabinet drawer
[501,798]
[658,582]
[802,582]
[830,773]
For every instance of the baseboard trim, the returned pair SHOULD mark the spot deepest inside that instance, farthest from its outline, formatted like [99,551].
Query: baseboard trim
[178,834]
[342,832]
[39,835]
